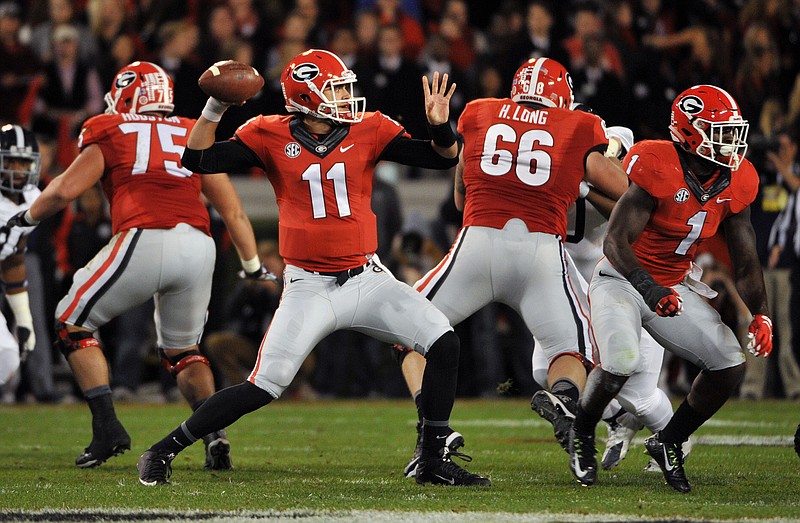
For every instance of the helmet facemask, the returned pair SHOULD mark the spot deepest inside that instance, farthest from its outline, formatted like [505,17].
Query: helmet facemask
[20,165]
[724,143]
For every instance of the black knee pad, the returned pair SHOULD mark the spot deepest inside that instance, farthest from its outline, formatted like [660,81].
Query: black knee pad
[445,351]
[176,364]
[68,342]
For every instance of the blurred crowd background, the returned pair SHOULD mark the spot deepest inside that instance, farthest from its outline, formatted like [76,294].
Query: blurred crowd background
[628,58]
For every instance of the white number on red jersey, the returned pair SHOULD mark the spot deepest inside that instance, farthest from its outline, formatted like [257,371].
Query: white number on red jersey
[165,133]
[532,163]
[696,222]
[313,175]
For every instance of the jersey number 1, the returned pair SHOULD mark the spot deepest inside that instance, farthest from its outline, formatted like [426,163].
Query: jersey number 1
[696,222]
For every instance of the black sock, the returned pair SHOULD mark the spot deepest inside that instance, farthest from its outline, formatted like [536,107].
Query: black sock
[585,422]
[434,434]
[440,378]
[101,405]
[216,413]
[566,387]
[418,403]
[684,422]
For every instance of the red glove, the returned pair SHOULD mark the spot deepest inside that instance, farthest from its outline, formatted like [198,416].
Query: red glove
[670,305]
[760,336]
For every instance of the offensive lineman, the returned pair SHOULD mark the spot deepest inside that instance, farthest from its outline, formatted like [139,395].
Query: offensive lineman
[161,249]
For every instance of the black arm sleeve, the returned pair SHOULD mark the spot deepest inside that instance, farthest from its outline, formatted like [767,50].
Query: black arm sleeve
[417,153]
[231,156]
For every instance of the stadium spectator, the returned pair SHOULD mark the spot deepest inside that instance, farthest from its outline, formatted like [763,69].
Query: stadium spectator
[390,12]
[71,91]
[587,22]
[539,38]
[20,69]
[390,82]
[177,55]
[61,13]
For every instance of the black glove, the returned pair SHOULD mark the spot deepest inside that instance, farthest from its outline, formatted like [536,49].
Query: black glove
[18,220]
[262,274]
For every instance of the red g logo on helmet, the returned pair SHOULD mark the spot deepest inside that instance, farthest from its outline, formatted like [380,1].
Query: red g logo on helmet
[140,87]
[707,121]
[318,83]
[543,81]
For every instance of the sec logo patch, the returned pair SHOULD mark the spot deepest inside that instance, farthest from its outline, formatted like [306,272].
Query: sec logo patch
[292,149]
[682,195]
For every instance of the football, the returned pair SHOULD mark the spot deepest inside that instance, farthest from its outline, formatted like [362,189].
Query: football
[231,82]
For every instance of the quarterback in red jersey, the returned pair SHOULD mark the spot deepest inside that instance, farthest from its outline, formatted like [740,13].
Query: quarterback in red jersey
[320,161]
[682,191]
[161,249]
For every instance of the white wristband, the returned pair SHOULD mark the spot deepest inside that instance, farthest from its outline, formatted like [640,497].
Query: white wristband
[29,218]
[20,306]
[252,265]
[614,147]
[214,109]
[583,190]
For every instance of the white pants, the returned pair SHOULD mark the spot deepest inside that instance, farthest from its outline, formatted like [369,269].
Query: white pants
[313,306]
[527,271]
[173,266]
[619,313]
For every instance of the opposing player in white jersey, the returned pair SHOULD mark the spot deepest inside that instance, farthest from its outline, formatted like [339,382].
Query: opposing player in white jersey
[19,174]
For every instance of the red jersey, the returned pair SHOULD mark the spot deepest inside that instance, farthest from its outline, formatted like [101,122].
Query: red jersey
[323,187]
[524,163]
[686,212]
[144,182]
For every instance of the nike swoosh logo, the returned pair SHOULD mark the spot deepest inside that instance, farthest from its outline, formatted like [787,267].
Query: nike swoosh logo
[601,273]
[441,437]
[292,280]
[720,200]
[452,481]
[345,149]
[576,467]
[667,465]
[178,442]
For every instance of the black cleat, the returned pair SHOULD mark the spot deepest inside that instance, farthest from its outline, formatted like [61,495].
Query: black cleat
[669,457]
[218,451]
[559,411]
[154,468]
[582,460]
[109,441]
[442,471]
[453,442]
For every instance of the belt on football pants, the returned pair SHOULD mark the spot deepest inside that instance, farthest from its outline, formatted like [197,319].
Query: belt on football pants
[342,276]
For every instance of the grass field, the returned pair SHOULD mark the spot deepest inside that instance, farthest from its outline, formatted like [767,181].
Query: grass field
[324,459]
